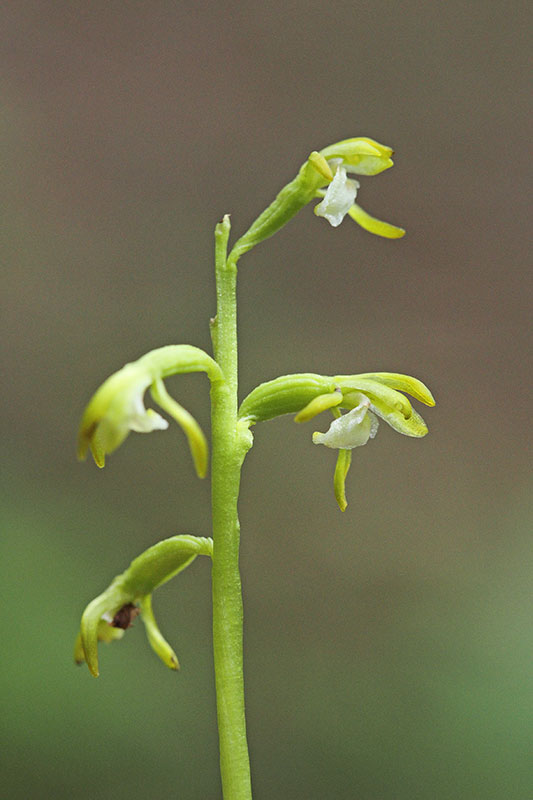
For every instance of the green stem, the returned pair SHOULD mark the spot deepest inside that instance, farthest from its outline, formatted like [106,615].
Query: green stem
[227,458]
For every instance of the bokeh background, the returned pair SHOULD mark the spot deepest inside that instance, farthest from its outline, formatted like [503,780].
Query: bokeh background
[388,649]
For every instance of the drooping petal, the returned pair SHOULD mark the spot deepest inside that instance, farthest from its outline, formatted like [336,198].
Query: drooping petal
[195,436]
[413,426]
[410,424]
[344,459]
[373,225]
[338,199]
[158,643]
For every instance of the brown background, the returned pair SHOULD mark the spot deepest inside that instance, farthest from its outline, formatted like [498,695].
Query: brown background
[388,650]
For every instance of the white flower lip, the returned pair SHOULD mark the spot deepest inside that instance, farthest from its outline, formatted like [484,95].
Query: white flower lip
[353,429]
[339,197]
[142,420]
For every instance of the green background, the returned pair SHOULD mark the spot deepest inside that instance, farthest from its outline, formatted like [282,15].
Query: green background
[388,649]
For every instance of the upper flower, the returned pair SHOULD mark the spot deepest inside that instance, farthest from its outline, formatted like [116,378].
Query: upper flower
[359,156]
[325,175]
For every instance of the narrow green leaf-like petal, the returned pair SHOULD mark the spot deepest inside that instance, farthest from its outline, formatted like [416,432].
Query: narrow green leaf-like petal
[318,405]
[193,432]
[158,643]
[344,459]
[321,165]
[94,629]
[373,225]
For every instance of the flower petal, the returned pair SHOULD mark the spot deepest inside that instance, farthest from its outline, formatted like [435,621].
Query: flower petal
[158,643]
[373,225]
[350,430]
[319,404]
[414,425]
[344,459]
[403,383]
[195,436]
[147,422]
[338,199]
[361,155]
[353,385]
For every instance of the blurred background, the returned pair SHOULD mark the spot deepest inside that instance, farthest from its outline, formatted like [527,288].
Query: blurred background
[388,649]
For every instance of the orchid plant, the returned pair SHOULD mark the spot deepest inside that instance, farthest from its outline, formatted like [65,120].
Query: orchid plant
[356,402]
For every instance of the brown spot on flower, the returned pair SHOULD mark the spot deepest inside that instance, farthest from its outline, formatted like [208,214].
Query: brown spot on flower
[125,616]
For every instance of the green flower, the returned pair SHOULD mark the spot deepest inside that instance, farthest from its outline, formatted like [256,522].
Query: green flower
[116,409]
[130,594]
[359,156]
[364,397]
[118,406]
[325,175]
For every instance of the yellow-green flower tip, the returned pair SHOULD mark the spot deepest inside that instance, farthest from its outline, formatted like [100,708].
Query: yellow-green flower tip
[373,225]
[360,155]
[158,643]
[403,383]
[344,459]
[95,628]
[318,161]
[319,404]
[195,436]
